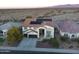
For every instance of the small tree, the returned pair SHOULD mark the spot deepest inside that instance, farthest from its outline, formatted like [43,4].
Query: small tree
[63,38]
[77,40]
[45,40]
[14,35]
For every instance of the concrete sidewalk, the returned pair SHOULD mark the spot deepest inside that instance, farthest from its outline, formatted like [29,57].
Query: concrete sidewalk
[51,50]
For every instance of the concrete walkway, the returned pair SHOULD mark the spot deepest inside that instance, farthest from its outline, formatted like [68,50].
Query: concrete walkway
[28,43]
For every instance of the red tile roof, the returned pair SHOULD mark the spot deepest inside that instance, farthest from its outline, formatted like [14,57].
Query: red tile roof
[68,26]
[26,23]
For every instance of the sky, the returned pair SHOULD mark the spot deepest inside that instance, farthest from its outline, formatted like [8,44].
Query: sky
[34,3]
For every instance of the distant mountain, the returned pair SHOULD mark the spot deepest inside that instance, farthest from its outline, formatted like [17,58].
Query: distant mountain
[67,6]
[18,14]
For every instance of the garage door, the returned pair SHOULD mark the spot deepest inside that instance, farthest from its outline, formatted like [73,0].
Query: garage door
[32,36]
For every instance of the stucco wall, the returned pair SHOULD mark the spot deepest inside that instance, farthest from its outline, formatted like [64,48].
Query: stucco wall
[52,31]
[70,34]
[47,28]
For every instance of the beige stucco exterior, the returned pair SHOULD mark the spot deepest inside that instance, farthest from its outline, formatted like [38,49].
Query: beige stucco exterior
[46,28]
[76,35]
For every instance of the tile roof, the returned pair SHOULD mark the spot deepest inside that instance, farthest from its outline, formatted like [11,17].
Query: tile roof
[37,22]
[9,25]
[27,22]
[68,26]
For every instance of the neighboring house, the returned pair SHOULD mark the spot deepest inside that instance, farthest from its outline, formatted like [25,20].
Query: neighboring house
[38,28]
[68,28]
[5,27]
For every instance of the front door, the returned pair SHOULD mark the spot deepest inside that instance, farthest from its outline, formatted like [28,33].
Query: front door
[41,32]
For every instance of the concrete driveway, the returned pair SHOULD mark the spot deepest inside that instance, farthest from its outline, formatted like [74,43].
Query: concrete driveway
[28,43]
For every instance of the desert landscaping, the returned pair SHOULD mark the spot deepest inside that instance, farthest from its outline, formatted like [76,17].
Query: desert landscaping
[17,38]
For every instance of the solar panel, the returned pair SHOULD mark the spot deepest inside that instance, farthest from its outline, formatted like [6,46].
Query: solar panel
[35,22]
[39,21]
[47,19]
[44,20]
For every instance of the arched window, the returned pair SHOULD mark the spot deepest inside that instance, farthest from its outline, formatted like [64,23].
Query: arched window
[73,35]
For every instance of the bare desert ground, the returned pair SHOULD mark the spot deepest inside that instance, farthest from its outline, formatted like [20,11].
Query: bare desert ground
[18,14]
[59,12]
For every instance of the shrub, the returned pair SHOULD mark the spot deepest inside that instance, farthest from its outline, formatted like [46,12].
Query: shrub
[63,38]
[45,40]
[77,40]
[54,42]
[1,40]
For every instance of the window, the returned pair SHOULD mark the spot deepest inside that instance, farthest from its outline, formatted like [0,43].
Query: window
[48,33]
[73,35]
